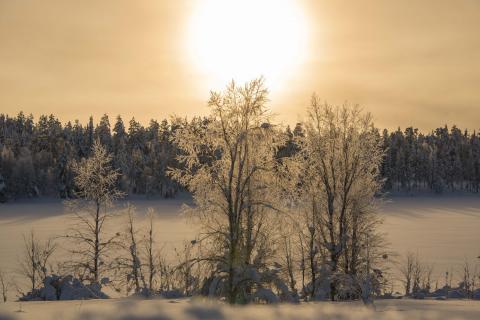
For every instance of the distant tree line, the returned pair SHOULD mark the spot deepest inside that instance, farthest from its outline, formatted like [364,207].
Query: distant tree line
[37,158]
[282,215]
[442,160]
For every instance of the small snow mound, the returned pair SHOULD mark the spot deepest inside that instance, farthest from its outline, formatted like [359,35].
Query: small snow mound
[65,288]
[456,294]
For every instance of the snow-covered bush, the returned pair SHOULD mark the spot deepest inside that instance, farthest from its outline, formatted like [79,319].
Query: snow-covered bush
[35,262]
[64,288]
[262,285]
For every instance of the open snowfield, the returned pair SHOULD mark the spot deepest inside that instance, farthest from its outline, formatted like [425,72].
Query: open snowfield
[47,217]
[444,230]
[126,309]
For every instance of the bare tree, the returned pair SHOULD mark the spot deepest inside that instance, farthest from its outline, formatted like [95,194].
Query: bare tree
[416,275]
[184,269]
[167,272]
[96,189]
[4,286]
[418,271]
[36,256]
[288,258]
[427,277]
[469,278]
[129,264]
[302,260]
[407,270]
[151,255]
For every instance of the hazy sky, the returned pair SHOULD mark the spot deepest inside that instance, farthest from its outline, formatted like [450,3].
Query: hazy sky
[409,62]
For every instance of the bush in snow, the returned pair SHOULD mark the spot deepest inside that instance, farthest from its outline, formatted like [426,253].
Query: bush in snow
[34,264]
[136,267]
[65,288]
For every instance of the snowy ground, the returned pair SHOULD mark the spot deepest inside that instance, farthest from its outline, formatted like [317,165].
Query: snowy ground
[47,217]
[444,230]
[195,310]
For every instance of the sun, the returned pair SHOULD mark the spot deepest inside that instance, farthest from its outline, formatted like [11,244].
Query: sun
[244,39]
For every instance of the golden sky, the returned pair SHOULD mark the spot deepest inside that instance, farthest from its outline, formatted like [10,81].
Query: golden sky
[409,62]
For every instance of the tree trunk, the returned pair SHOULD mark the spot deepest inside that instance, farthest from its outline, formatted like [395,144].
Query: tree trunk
[97,243]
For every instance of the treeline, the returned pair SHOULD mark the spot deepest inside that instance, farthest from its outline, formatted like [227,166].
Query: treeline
[36,158]
[443,160]
[281,216]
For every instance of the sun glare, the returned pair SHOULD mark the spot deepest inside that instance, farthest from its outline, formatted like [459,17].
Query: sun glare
[243,39]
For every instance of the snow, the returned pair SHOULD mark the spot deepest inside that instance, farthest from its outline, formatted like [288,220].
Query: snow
[443,229]
[129,309]
[48,219]
[65,288]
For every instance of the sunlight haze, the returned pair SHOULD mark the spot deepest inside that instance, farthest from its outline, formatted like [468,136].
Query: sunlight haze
[408,62]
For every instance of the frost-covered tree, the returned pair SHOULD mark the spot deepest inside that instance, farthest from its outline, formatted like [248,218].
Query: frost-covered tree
[338,169]
[95,181]
[36,157]
[228,163]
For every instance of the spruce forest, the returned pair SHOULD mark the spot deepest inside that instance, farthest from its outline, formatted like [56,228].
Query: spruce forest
[36,156]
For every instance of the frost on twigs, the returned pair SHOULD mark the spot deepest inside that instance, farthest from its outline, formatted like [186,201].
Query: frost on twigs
[335,183]
[96,189]
[228,161]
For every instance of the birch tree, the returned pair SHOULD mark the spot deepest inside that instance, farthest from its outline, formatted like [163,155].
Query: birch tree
[228,163]
[338,180]
[96,182]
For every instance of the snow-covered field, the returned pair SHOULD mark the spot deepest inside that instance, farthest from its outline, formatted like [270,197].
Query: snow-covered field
[444,230]
[195,310]
[47,217]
